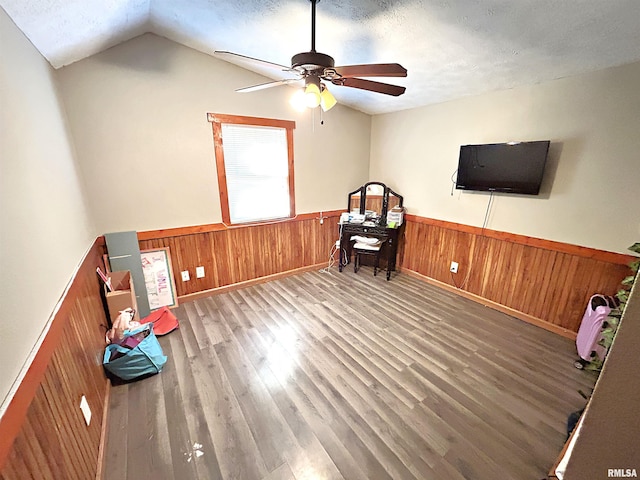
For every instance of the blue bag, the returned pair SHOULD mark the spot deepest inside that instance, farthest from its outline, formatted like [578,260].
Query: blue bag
[146,358]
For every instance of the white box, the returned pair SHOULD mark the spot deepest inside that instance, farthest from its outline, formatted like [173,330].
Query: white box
[395,215]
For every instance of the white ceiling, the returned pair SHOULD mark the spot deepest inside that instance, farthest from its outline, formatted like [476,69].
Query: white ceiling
[450,48]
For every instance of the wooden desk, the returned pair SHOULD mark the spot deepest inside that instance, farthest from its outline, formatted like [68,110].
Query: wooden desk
[388,236]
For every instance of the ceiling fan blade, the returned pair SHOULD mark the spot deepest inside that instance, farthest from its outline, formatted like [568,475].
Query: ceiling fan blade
[262,86]
[370,85]
[372,70]
[257,61]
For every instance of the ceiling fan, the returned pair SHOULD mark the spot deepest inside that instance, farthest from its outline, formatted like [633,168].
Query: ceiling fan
[315,68]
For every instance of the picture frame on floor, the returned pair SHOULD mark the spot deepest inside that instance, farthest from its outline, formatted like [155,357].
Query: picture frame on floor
[158,278]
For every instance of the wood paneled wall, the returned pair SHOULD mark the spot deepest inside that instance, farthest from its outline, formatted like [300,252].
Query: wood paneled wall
[548,283]
[43,434]
[544,282]
[232,255]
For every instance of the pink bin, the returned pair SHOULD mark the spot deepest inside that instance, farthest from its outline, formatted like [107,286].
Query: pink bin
[590,332]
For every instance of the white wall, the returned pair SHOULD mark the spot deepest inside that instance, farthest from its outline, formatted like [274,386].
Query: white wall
[591,189]
[138,114]
[44,227]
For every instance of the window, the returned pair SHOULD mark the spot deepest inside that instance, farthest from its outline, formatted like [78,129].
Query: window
[254,159]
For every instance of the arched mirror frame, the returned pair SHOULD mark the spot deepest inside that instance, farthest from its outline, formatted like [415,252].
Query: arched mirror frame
[363,198]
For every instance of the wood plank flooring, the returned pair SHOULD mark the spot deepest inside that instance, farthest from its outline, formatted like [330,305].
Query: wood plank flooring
[347,376]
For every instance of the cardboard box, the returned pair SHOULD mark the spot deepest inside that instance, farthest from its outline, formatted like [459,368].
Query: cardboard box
[122,295]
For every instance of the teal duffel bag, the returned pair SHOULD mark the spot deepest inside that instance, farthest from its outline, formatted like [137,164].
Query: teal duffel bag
[138,355]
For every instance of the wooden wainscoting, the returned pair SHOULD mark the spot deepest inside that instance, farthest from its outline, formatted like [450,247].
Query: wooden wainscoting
[43,433]
[237,255]
[541,281]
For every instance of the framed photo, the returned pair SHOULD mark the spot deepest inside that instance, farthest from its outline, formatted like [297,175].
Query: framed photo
[158,278]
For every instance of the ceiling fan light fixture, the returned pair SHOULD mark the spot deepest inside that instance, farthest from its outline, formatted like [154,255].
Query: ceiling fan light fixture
[298,100]
[312,91]
[327,100]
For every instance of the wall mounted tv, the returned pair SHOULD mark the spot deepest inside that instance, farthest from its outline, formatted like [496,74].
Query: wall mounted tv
[503,167]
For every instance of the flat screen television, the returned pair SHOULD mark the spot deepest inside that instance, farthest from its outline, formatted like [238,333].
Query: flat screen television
[503,167]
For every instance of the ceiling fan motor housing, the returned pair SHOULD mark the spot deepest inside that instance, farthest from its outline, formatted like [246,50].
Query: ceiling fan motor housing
[311,61]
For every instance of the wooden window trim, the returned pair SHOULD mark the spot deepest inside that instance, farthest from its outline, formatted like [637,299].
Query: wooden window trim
[217,120]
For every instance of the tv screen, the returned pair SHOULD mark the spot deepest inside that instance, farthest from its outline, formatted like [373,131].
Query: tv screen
[503,167]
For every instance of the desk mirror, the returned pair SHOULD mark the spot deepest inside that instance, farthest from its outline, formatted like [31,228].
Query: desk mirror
[374,199]
[355,199]
[395,200]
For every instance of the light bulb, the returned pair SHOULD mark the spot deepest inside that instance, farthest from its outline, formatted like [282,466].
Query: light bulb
[298,100]
[312,95]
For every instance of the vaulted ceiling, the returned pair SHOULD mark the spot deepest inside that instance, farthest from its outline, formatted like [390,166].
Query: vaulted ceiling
[450,48]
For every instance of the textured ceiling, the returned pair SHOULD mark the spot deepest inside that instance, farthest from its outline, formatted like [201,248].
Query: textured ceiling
[450,48]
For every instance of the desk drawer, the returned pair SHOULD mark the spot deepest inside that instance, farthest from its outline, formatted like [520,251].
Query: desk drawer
[360,229]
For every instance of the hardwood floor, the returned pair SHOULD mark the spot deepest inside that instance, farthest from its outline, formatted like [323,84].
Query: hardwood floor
[342,375]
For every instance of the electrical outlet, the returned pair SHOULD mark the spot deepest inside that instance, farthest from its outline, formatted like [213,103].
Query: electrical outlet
[454,267]
[185,275]
[86,411]
[199,272]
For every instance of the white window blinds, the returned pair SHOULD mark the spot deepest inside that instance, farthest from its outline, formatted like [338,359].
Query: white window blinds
[257,172]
